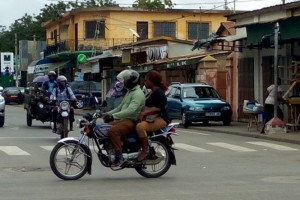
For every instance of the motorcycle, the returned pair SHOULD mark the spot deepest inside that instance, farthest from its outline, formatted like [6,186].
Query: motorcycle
[63,112]
[37,107]
[71,158]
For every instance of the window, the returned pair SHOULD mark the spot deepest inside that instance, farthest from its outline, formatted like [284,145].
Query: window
[142,30]
[198,30]
[164,29]
[93,27]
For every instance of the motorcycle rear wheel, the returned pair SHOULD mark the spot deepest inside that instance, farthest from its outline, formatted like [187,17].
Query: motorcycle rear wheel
[157,170]
[68,163]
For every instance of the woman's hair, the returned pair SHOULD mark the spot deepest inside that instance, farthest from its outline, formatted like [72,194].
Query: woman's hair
[155,77]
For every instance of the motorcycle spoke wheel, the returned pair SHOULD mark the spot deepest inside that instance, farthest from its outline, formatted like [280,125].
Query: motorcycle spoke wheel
[159,166]
[68,161]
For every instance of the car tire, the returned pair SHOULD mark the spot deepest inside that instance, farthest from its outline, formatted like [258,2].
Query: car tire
[227,122]
[184,120]
[2,121]
[79,104]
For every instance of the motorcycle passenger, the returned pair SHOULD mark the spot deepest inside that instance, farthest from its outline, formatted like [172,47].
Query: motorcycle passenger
[62,93]
[49,85]
[156,103]
[124,117]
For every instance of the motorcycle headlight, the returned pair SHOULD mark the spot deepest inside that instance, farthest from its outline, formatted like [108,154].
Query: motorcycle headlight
[64,105]
[195,108]
[41,106]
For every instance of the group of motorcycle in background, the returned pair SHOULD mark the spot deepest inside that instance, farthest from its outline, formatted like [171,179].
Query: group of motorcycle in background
[71,158]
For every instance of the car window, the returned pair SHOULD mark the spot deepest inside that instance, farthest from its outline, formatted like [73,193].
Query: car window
[200,92]
[85,85]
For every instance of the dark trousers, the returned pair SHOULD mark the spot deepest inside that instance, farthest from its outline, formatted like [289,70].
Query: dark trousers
[269,110]
[119,130]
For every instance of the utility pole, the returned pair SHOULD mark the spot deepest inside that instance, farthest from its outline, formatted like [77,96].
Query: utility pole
[16,60]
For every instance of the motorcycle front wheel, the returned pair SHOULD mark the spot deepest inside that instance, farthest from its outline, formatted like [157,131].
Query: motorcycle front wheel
[69,161]
[159,166]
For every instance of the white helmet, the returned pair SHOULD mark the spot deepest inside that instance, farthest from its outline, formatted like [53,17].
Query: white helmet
[61,78]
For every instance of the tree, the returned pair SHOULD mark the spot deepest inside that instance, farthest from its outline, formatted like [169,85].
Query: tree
[153,4]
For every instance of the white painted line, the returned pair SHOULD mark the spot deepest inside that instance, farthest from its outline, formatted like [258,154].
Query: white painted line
[199,133]
[48,148]
[14,150]
[273,146]
[190,148]
[231,147]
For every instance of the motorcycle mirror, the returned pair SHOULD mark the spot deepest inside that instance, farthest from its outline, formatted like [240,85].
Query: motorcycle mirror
[96,100]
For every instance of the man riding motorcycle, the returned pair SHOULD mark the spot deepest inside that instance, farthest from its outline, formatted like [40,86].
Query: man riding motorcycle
[124,117]
[62,93]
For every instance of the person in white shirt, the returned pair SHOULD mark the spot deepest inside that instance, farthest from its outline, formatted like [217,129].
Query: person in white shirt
[269,103]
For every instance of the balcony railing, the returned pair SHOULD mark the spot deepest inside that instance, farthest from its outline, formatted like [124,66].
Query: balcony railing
[81,45]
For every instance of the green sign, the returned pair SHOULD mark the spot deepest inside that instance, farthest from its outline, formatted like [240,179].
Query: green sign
[81,58]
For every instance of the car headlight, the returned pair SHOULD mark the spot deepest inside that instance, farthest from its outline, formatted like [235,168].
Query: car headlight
[226,108]
[196,108]
[1,99]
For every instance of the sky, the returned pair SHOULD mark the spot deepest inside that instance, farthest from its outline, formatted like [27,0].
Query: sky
[11,10]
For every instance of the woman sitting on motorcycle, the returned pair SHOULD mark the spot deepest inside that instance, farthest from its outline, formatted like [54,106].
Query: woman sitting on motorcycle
[155,108]
[62,93]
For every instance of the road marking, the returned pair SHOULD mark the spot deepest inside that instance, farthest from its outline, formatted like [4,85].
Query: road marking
[199,133]
[273,146]
[190,148]
[231,147]
[48,148]
[14,150]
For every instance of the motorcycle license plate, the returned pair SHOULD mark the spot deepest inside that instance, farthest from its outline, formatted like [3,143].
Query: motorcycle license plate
[212,114]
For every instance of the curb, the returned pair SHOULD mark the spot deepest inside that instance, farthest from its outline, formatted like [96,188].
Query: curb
[253,135]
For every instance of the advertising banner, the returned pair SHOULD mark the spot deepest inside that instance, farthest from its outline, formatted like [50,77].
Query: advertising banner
[7,63]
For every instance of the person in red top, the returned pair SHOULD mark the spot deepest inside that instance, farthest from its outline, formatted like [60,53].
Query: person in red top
[156,105]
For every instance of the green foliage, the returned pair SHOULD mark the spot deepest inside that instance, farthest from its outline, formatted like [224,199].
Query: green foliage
[153,4]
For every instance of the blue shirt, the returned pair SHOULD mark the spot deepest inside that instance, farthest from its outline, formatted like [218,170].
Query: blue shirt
[62,94]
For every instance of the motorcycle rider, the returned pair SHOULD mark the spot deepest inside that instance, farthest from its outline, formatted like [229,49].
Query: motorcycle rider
[49,85]
[62,93]
[124,117]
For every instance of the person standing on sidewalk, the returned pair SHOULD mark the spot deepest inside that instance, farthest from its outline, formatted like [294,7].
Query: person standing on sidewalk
[269,104]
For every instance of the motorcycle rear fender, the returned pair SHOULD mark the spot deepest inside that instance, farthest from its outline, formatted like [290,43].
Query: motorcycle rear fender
[86,149]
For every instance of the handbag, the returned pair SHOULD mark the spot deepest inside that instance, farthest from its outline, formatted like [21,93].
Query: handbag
[151,118]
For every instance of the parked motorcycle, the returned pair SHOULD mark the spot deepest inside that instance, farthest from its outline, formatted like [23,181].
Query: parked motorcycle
[71,158]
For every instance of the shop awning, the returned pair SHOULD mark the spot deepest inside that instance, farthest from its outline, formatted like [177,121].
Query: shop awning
[45,65]
[289,28]
[255,32]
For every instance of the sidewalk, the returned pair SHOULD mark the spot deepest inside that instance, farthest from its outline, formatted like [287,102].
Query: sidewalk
[237,128]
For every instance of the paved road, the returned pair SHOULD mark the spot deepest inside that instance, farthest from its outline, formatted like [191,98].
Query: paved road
[210,166]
